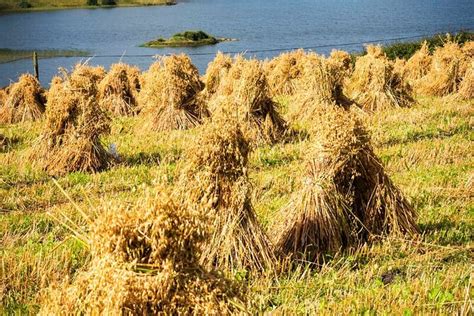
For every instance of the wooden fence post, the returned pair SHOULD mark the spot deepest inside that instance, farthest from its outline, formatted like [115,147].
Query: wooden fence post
[35,65]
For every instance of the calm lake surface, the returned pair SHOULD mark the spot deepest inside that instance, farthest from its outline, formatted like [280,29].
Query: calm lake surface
[258,24]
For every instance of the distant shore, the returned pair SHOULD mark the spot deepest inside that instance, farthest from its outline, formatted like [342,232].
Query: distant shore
[12,6]
[11,55]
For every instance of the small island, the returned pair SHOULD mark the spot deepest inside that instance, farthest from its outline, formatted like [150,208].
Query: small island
[188,38]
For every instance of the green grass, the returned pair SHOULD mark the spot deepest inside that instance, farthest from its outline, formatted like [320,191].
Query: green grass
[426,149]
[14,5]
[9,55]
[187,38]
[405,50]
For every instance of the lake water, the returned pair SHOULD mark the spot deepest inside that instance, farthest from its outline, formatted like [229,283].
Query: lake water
[258,24]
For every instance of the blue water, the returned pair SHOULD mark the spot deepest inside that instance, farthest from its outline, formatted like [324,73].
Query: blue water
[258,24]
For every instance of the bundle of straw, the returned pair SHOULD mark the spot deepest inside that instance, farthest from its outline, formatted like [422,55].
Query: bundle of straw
[466,87]
[74,123]
[24,102]
[283,71]
[3,96]
[399,68]
[215,73]
[215,178]
[244,94]
[118,91]
[418,65]
[340,66]
[144,261]
[345,197]
[468,49]
[374,85]
[320,87]
[169,98]
[446,71]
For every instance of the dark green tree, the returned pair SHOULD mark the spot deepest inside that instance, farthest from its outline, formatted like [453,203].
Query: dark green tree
[109,2]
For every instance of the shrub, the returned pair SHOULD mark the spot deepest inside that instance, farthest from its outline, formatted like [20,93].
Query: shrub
[92,2]
[24,4]
[192,36]
[109,2]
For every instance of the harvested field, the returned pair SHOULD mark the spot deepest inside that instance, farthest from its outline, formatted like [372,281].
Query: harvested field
[369,213]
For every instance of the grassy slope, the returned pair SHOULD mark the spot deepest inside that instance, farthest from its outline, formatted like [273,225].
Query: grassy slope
[427,150]
[9,5]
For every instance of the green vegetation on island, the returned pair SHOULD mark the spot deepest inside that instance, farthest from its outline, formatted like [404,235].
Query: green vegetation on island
[187,38]
[9,55]
[32,5]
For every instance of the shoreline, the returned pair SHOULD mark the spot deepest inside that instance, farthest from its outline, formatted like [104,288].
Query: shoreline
[88,7]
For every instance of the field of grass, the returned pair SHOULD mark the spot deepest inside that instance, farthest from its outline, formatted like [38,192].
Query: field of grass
[13,5]
[9,55]
[427,149]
